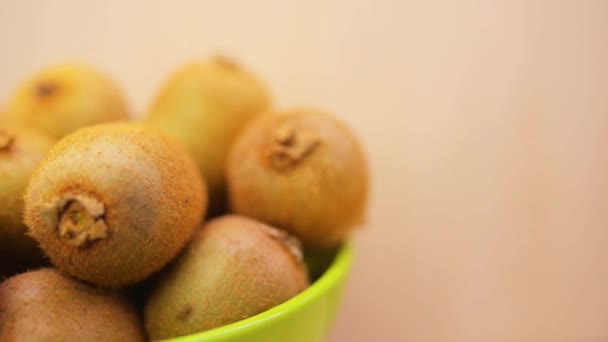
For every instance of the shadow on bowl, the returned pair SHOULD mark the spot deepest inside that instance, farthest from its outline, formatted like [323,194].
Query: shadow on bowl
[307,317]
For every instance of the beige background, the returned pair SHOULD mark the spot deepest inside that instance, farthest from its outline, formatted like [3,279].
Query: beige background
[485,122]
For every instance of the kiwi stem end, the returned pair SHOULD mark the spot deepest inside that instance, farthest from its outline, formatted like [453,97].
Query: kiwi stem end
[290,243]
[291,146]
[80,219]
[6,140]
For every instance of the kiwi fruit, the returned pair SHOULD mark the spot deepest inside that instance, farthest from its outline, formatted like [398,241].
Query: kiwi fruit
[21,150]
[44,305]
[113,203]
[234,268]
[62,98]
[302,170]
[204,105]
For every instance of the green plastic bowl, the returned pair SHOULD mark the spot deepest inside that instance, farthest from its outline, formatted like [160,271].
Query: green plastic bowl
[307,317]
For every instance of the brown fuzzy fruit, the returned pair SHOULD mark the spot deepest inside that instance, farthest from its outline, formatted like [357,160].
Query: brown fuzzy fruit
[21,150]
[301,170]
[44,305]
[204,106]
[113,203]
[62,98]
[234,268]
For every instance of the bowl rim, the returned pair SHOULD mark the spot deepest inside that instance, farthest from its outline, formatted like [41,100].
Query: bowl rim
[338,269]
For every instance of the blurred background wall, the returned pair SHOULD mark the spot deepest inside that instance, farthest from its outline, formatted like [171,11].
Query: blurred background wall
[486,125]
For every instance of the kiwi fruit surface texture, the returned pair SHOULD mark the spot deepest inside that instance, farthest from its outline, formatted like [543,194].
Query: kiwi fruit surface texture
[234,268]
[113,203]
[204,105]
[301,170]
[62,98]
[21,150]
[44,305]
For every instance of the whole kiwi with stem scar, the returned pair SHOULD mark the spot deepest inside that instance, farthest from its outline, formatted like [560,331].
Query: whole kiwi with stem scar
[21,150]
[204,105]
[113,203]
[234,268]
[61,98]
[302,170]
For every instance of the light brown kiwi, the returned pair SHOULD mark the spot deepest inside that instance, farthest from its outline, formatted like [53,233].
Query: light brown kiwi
[113,203]
[234,268]
[204,105]
[21,150]
[62,98]
[44,305]
[302,170]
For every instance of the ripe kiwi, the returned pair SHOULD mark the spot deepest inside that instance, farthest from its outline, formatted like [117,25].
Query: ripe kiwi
[204,105]
[301,170]
[44,305]
[62,98]
[21,150]
[113,203]
[234,268]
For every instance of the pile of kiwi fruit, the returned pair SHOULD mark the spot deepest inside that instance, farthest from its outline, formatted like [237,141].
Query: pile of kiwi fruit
[211,207]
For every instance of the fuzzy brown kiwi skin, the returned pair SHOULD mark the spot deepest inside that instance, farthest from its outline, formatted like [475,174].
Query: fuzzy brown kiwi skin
[234,268]
[44,305]
[302,170]
[61,98]
[112,204]
[227,97]
[21,149]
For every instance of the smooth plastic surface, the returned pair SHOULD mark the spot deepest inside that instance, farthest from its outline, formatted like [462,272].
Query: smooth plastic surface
[306,317]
